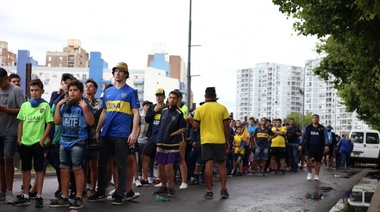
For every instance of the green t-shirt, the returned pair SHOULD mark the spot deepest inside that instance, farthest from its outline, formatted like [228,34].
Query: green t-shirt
[34,121]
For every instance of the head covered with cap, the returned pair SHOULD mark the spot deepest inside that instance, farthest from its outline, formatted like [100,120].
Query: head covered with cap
[122,67]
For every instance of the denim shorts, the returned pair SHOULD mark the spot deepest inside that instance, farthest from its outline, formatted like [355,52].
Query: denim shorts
[8,145]
[261,153]
[72,157]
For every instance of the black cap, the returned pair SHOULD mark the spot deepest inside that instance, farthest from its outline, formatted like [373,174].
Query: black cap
[3,73]
[146,102]
[67,76]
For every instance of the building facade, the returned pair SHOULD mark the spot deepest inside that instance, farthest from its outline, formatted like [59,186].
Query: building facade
[268,90]
[7,58]
[73,55]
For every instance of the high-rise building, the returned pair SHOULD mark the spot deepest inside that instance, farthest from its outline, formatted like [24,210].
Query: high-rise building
[73,55]
[322,98]
[268,90]
[7,58]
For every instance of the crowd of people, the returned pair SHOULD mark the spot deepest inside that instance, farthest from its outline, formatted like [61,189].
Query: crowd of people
[91,142]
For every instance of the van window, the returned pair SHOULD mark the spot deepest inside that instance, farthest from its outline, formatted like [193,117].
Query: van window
[372,138]
[357,137]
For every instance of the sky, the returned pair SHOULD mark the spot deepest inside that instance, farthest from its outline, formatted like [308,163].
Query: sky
[232,35]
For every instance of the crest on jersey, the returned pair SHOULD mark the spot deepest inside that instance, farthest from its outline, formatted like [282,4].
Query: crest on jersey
[123,95]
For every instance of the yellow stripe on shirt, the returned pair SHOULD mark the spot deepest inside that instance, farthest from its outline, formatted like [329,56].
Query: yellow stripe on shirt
[119,106]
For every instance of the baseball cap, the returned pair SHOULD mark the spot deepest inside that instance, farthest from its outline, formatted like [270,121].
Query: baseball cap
[121,66]
[146,102]
[67,76]
[329,126]
[3,73]
[160,91]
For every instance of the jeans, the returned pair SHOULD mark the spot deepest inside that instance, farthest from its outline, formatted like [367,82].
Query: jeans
[344,159]
[120,147]
[293,155]
[8,146]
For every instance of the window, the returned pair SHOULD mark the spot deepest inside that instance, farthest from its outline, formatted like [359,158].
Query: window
[357,137]
[372,138]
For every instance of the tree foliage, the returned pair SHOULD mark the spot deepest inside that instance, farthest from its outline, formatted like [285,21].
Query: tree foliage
[298,118]
[350,39]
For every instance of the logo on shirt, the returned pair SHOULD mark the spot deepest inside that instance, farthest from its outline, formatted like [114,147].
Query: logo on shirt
[174,118]
[314,133]
[123,95]
[42,110]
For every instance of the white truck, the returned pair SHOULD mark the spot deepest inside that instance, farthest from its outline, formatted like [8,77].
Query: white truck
[366,146]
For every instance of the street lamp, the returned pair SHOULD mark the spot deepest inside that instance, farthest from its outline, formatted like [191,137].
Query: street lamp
[303,93]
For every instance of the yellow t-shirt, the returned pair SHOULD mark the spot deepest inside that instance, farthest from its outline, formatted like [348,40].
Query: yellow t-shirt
[237,141]
[279,140]
[210,117]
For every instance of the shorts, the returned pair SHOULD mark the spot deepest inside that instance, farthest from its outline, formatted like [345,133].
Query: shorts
[8,145]
[167,156]
[261,153]
[213,152]
[278,152]
[315,153]
[35,152]
[150,149]
[72,156]
[133,149]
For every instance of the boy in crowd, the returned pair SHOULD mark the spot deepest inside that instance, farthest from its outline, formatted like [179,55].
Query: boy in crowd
[35,123]
[170,135]
[75,117]
[239,151]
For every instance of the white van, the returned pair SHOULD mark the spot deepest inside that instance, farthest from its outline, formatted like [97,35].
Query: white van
[362,193]
[366,146]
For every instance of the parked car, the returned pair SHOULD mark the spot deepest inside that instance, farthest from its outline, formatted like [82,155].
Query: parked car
[366,146]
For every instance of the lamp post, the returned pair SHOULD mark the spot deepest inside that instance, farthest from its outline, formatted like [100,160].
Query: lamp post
[303,93]
[188,61]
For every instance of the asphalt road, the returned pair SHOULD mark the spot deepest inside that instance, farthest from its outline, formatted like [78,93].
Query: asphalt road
[289,192]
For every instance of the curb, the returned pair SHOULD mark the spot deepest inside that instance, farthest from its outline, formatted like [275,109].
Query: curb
[375,201]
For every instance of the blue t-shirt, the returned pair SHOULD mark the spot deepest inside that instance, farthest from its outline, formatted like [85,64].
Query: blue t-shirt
[74,126]
[262,136]
[119,104]
[251,129]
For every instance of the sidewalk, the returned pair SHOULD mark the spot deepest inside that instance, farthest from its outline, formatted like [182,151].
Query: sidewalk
[375,201]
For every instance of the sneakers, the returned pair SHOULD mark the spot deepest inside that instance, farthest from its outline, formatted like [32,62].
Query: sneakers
[22,201]
[9,198]
[208,195]
[72,195]
[183,186]
[224,194]
[96,197]
[309,175]
[316,178]
[171,192]
[60,203]
[118,200]
[132,195]
[263,173]
[138,183]
[144,182]
[162,190]
[39,202]
[150,180]
[77,204]
[158,185]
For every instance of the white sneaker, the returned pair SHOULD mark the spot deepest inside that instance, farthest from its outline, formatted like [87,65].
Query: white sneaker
[316,178]
[150,180]
[183,186]
[158,185]
[138,183]
[9,198]
[111,192]
[309,175]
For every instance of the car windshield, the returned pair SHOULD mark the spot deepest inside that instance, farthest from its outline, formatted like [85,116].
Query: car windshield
[357,137]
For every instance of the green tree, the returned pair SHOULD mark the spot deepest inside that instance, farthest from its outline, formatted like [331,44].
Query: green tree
[349,38]
[298,118]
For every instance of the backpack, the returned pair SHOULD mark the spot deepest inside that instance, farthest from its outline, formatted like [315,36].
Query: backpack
[291,133]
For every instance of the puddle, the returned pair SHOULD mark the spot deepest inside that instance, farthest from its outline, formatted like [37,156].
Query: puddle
[359,197]
[346,175]
[321,194]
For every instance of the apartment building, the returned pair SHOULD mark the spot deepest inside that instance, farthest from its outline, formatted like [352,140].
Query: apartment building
[7,58]
[268,90]
[73,55]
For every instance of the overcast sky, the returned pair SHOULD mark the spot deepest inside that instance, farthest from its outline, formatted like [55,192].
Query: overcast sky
[233,34]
